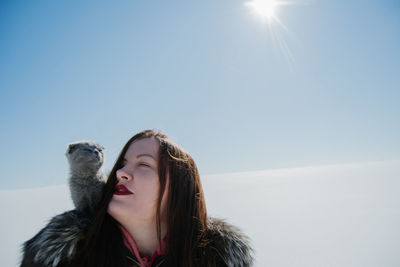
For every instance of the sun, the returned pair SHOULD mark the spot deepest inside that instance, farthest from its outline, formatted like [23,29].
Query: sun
[264,8]
[267,12]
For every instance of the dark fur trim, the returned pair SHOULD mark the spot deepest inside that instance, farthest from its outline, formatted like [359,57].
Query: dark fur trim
[55,244]
[231,245]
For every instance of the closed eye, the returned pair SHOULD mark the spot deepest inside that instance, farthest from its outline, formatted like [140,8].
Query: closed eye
[144,164]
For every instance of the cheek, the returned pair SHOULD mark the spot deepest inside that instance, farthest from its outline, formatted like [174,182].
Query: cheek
[147,182]
[149,192]
[147,195]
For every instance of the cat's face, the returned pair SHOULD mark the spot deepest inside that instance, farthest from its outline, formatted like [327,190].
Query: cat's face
[83,154]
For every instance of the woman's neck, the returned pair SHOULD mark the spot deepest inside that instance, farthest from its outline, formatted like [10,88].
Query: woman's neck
[145,235]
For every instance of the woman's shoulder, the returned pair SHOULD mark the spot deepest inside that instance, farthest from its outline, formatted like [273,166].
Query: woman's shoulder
[55,244]
[227,243]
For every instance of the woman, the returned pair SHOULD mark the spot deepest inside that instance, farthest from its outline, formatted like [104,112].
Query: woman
[153,213]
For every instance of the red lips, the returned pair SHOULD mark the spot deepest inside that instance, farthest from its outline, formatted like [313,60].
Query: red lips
[122,190]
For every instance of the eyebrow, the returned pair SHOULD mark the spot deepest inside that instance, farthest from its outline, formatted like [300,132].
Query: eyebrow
[145,155]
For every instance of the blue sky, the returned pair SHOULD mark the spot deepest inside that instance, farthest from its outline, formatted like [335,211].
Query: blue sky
[208,73]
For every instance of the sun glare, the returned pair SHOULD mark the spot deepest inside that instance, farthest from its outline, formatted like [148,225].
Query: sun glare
[267,12]
[264,8]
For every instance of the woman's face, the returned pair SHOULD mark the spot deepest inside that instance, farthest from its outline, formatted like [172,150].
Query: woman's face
[135,196]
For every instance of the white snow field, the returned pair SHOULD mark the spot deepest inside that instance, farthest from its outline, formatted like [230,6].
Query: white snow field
[326,216]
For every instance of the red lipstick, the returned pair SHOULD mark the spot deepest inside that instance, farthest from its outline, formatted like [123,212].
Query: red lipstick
[122,190]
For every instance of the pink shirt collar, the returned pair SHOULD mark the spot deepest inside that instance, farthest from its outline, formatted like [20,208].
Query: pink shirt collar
[144,259]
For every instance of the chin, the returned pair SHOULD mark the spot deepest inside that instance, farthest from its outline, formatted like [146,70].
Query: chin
[119,211]
[115,210]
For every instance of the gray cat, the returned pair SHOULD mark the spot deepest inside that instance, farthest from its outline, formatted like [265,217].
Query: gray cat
[56,243]
[86,181]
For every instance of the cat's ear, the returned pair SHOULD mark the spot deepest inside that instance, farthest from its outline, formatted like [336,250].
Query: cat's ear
[71,148]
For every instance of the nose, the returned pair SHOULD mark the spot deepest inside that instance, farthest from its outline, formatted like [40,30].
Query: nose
[122,175]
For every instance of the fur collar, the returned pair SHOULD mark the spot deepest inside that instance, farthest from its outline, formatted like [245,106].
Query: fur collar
[230,244]
[55,244]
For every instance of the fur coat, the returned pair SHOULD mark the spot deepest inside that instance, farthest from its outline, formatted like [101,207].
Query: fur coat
[55,244]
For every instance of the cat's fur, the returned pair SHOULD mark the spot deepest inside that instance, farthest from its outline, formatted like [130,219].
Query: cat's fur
[86,181]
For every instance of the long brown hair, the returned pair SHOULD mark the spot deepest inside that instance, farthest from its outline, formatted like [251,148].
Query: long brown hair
[185,209]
